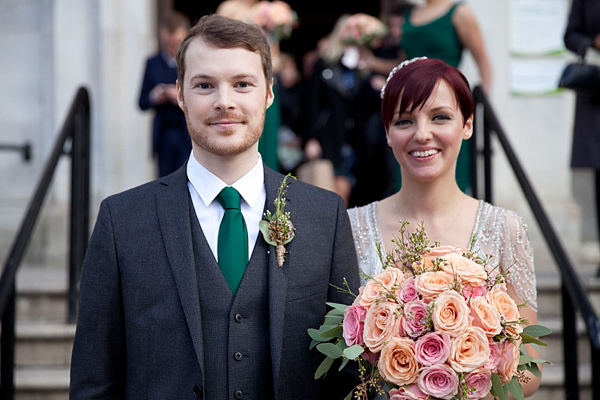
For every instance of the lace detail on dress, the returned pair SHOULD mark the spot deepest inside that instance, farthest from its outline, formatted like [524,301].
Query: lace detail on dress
[499,232]
[502,234]
[365,230]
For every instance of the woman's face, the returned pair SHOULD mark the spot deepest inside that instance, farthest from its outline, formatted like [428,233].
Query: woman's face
[426,141]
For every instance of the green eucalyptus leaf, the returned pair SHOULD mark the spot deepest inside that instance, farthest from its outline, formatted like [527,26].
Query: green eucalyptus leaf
[330,350]
[530,339]
[536,331]
[515,388]
[323,368]
[497,387]
[336,331]
[349,397]
[333,319]
[353,352]
[264,228]
[344,362]
[525,359]
[540,361]
[316,335]
[535,370]
[338,306]
[313,343]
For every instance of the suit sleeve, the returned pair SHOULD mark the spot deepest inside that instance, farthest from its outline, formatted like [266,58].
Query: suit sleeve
[576,36]
[337,385]
[98,359]
[147,85]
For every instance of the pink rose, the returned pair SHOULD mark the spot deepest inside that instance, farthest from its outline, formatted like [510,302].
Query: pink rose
[495,353]
[409,291]
[369,356]
[468,271]
[353,325]
[398,363]
[433,348]
[411,392]
[431,284]
[469,291]
[481,381]
[450,313]
[382,322]
[415,318]
[469,350]
[439,381]
[485,316]
[509,360]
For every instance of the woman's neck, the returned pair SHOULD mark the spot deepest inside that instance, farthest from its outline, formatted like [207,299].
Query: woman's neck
[428,201]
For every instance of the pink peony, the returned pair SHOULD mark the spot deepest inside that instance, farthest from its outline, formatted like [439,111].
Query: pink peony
[439,381]
[411,392]
[481,381]
[409,291]
[353,325]
[433,348]
[415,318]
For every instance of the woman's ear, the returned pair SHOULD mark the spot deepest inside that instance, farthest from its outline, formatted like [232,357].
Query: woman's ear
[387,137]
[468,128]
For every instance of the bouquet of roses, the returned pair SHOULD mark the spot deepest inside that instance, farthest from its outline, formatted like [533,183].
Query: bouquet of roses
[437,322]
[363,30]
[276,18]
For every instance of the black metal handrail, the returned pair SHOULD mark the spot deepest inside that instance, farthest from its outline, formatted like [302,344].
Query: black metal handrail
[574,295]
[24,149]
[75,129]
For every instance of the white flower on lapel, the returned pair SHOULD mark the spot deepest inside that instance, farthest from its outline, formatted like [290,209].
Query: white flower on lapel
[277,228]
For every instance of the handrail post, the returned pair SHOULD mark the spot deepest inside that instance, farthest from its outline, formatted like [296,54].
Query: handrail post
[487,160]
[474,143]
[80,194]
[7,349]
[571,374]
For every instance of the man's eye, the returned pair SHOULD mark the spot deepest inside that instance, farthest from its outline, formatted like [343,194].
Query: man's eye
[243,85]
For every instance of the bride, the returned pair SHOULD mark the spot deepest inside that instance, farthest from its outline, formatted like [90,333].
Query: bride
[427,111]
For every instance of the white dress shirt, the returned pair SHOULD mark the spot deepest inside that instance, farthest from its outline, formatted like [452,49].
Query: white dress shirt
[204,188]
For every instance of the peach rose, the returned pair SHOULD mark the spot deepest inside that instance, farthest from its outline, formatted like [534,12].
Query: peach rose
[382,322]
[505,305]
[368,294]
[509,360]
[390,278]
[450,313]
[398,363]
[469,350]
[431,284]
[437,252]
[467,270]
[485,316]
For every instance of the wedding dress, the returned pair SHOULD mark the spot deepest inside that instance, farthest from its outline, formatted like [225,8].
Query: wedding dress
[498,232]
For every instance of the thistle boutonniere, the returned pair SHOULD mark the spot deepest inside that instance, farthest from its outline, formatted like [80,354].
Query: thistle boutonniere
[277,228]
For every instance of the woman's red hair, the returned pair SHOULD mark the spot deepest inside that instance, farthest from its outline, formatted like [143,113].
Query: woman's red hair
[412,85]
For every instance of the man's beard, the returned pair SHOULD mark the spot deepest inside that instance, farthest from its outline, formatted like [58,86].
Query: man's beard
[212,146]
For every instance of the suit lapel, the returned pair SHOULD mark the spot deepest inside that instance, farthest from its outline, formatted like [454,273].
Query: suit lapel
[277,277]
[173,209]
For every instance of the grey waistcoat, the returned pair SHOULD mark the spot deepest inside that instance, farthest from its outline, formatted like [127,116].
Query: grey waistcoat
[235,330]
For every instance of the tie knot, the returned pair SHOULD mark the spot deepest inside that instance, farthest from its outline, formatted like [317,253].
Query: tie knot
[229,198]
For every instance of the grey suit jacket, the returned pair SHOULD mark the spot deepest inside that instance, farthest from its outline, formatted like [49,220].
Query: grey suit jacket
[139,332]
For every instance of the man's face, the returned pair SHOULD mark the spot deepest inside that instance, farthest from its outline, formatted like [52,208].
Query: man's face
[224,96]
[171,39]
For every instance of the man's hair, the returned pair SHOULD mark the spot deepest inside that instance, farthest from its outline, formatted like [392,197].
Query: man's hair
[225,33]
[175,20]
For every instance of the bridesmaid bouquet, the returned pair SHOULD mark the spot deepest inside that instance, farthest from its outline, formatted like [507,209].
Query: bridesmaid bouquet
[436,323]
[363,30]
[276,18]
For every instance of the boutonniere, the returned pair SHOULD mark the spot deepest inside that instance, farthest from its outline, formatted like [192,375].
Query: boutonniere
[277,228]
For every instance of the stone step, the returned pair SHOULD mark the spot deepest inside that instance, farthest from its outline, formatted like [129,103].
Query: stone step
[41,294]
[552,385]
[42,383]
[549,291]
[43,344]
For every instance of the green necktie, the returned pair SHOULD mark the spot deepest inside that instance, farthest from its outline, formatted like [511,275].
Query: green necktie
[232,248]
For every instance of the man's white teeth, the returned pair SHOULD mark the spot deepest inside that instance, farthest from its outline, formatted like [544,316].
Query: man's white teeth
[425,153]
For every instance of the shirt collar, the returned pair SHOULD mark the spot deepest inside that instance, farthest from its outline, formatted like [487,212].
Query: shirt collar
[208,185]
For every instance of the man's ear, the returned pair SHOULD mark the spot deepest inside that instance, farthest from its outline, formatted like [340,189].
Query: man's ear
[179,94]
[468,128]
[270,94]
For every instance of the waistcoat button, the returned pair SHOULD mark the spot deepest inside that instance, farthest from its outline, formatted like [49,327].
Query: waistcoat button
[198,391]
[238,356]
[238,318]
[238,394]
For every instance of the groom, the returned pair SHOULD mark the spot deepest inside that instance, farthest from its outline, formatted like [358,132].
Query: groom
[170,309]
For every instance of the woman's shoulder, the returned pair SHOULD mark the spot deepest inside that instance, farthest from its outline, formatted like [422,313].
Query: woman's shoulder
[496,216]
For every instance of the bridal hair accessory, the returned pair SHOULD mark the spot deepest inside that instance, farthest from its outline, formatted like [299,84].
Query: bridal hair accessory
[277,229]
[393,71]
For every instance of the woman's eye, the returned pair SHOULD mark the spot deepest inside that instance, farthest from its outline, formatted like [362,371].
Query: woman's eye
[402,122]
[441,117]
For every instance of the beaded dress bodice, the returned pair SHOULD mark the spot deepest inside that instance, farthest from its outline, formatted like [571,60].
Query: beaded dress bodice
[498,232]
